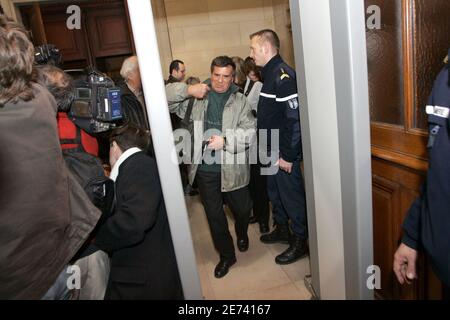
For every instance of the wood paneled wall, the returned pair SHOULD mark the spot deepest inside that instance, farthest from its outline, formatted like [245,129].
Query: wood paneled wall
[404,57]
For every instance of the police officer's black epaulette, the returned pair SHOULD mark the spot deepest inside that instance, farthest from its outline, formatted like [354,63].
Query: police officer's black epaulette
[284,74]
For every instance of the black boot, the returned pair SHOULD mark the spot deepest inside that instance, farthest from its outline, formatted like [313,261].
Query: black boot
[263,228]
[252,219]
[223,266]
[190,191]
[242,244]
[298,248]
[280,234]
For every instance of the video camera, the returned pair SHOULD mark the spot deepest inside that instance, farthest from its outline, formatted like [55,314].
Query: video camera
[96,106]
[47,54]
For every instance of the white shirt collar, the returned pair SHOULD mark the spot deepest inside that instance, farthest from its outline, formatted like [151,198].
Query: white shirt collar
[115,170]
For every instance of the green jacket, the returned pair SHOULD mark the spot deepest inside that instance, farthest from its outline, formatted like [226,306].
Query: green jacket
[238,129]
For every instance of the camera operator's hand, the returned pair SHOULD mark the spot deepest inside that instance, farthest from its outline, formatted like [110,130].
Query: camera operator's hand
[198,91]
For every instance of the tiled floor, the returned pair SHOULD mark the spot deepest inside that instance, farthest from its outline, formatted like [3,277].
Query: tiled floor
[255,275]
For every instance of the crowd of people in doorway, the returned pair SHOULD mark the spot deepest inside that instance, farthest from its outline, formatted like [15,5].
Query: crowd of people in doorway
[235,98]
[118,237]
[114,229]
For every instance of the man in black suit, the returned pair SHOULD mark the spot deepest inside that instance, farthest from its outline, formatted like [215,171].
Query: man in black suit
[132,97]
[137,235]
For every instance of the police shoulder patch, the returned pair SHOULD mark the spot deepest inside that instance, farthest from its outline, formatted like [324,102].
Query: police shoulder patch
[293,103]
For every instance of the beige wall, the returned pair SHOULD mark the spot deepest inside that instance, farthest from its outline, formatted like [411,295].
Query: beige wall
[200,30]
[282,21]
[162,34]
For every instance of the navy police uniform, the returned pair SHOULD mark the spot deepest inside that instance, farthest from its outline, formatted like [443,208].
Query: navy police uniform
[278,109]
[427,224]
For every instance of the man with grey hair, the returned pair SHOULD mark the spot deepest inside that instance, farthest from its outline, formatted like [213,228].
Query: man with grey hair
[133,103]
[219,112]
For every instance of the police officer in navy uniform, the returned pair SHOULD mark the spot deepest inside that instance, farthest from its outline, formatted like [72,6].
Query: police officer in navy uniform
[278,109]
[427,224]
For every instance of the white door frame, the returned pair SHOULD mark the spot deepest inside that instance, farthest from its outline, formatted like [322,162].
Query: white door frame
[331,60]
[145,40]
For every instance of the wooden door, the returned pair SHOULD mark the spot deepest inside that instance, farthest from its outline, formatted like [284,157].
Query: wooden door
[404,57]
[109,31]
[105,32]
[71,43]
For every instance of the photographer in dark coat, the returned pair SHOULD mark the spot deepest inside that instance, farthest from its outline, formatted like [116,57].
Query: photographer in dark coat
[82,147]
[143,264]
[45,216]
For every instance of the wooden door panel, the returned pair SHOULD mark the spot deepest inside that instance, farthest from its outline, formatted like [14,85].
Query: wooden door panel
[105,30]
[37,25]
[394,190]
[109,31]
[385,199]
[69,42]
[397,140]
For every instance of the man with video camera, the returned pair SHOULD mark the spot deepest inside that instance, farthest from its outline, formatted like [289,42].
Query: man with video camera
[75,143]
[60,85]
[45,215]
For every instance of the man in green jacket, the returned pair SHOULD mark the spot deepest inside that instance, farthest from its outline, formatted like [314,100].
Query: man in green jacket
[224,128]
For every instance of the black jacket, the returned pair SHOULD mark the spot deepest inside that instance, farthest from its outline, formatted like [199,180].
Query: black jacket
[427,224]
[278,108]
[132,109]
[143,264]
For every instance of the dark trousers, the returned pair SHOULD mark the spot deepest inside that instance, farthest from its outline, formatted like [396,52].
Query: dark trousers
[258,192]
[446,293]
[184,174]
[287,194]
[209,185]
